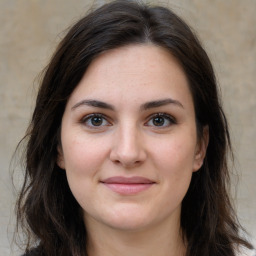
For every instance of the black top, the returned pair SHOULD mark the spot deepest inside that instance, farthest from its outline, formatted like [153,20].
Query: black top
[33,252]
[36,252]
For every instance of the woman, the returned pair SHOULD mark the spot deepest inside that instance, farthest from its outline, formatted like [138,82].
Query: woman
[127,147]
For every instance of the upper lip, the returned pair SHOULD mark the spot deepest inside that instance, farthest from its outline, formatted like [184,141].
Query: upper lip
[127,180]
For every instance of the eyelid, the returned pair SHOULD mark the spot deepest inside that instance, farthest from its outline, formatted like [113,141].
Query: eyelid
[170,118]
[85,118]
[166,116]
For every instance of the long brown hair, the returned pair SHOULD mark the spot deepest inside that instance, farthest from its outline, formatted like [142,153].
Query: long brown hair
[46,209]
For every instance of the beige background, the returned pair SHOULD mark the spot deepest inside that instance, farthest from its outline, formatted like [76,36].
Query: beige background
[30,30]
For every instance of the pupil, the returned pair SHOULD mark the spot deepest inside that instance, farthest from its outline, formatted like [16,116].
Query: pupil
[96,121]
[158,121]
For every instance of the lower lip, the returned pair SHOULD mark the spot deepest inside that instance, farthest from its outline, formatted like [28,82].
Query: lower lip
[128,189]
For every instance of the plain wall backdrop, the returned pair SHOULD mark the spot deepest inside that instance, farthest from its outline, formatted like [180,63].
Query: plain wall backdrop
[30,31]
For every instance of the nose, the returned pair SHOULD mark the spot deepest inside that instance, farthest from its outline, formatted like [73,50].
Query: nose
[127,148]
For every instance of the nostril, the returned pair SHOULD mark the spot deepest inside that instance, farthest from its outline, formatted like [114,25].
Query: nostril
[127,150]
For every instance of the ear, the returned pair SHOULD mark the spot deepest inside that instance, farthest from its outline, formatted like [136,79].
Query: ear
[201,149]
[60,158]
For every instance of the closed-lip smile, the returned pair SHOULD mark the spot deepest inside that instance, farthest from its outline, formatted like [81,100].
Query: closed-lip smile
[128,185]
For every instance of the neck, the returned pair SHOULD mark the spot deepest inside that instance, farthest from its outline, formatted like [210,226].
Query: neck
[158,240]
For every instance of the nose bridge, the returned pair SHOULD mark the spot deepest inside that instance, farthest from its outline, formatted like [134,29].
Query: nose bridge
[128,147]
[128,139]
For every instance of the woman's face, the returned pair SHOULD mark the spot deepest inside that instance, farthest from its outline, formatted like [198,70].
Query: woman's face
[128,140]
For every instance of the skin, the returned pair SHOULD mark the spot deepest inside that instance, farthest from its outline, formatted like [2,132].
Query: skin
[132,139]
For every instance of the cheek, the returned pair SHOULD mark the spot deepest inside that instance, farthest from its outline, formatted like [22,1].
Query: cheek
[82,156]
[174,161]
[83,161]
[176,153]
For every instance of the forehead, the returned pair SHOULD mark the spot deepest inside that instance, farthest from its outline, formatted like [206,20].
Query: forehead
[135,60]
[136,71]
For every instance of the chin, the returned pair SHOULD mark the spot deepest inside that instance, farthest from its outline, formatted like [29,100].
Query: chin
[129,224]
[130,220]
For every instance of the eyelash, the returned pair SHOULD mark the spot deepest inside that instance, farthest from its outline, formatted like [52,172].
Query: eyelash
[165,116]
[88,118]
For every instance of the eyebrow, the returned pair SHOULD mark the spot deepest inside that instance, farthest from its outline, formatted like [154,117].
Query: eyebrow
[160,103]
[93,103]
[145,106]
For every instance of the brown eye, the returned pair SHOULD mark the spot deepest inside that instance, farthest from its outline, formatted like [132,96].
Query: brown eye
[95,121]
[161,120]
[158,121]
